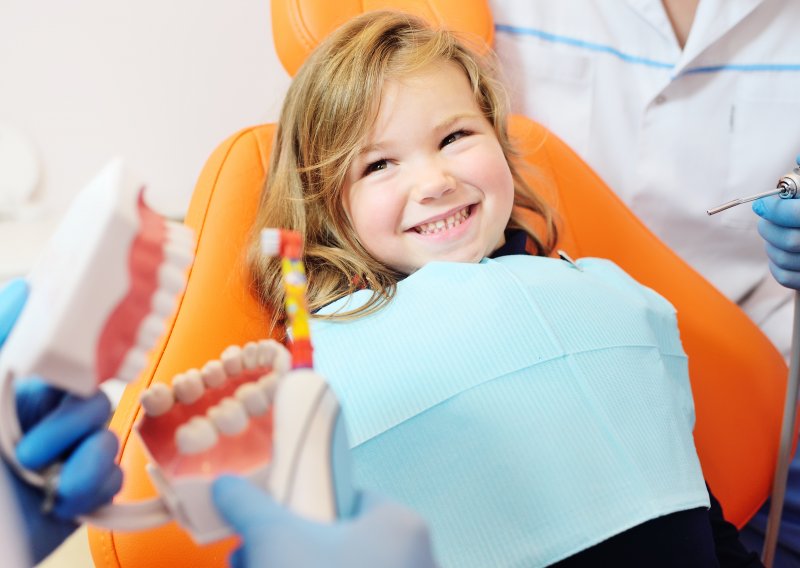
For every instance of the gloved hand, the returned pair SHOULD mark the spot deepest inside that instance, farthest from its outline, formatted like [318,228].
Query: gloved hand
[779,226]
[59,428]
[381,533]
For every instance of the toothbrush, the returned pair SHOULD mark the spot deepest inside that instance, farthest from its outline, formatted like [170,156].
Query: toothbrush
[289,246]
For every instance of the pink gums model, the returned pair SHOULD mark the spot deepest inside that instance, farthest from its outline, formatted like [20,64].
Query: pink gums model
[100,294]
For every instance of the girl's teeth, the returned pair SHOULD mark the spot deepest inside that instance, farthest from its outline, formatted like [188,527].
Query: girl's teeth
[213,374]
[229,416]
[188,387]
[195,436]
[157,400]
[443,224]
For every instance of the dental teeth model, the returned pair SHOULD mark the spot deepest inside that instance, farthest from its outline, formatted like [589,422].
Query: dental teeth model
[99,299]
[184,426]
[97,305]
[100,294]
[259,412]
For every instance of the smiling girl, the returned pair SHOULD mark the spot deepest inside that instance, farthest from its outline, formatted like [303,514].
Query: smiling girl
[534,410]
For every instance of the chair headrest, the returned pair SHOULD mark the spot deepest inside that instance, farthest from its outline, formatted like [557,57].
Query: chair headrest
[298,26]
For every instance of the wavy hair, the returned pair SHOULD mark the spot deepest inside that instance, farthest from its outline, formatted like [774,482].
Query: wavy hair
[329,110]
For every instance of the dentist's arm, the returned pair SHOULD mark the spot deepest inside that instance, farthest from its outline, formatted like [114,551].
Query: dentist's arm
[58,428]
[382,533]
[779,226]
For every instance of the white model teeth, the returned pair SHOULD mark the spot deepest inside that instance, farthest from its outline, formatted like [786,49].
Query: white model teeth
[229,416]
[232,360]
[163,303]
[195,436]
[250,355]
[150,331]
[213,374]
[269,382]
[133,364]
[275,355]
[443,224]
[180,233]
[157,400]
[171,278]
[188,387]
[254,399]
[178,254]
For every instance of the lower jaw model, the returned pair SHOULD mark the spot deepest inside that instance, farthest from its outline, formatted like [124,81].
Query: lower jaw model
[248,414]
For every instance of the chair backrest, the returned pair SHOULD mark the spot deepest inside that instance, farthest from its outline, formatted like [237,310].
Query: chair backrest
[738,378]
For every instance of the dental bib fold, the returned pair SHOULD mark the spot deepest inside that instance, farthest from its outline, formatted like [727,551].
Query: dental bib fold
[527,408]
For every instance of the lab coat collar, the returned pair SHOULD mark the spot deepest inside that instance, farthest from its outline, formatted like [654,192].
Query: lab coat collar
[652,11]
[714,18]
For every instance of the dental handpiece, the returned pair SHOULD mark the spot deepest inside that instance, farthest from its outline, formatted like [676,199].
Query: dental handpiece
[785,189]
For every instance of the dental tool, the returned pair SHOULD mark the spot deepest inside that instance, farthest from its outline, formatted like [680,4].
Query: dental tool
[786,188]
[261,412]
[99,297]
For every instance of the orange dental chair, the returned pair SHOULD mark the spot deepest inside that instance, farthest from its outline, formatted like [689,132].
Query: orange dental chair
[738,378]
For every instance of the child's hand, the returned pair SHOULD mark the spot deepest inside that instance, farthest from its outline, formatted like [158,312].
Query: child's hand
[780,228]
[382,533]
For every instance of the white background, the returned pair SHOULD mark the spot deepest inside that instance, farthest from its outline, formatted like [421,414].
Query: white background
[160,83]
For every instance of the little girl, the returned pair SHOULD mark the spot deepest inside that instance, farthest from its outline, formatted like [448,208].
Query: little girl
[534,410]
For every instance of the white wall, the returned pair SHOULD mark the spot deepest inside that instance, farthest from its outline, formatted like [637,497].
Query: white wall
[158,82]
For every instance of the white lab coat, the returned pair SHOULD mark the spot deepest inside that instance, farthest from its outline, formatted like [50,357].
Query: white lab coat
[673,132]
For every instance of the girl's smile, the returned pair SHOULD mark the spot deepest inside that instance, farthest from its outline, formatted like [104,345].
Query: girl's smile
[432,182]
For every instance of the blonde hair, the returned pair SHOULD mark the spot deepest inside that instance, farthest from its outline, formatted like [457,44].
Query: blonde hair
[329,109]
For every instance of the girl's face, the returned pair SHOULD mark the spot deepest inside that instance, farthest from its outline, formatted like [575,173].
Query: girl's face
[432,182]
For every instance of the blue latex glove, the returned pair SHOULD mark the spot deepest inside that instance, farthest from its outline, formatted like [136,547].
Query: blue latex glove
[381,533]
[59,428]
[779,226]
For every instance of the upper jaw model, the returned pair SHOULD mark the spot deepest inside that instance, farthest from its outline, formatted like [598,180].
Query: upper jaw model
[99,299]
[102,290]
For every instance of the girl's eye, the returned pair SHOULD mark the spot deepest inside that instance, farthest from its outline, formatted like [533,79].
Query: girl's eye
[376,166]
[452,137]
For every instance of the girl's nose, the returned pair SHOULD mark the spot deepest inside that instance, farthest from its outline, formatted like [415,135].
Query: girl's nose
[432,182]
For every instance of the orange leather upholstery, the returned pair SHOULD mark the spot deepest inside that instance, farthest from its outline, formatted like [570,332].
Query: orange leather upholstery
[738,378]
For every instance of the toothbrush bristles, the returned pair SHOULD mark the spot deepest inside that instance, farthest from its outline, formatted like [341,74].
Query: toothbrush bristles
[270,242]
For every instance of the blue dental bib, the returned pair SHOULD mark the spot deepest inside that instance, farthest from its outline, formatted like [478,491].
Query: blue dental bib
[527,408]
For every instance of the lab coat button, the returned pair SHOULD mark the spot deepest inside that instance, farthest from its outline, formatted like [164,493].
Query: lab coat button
[660,99]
